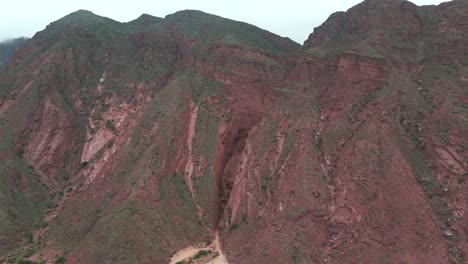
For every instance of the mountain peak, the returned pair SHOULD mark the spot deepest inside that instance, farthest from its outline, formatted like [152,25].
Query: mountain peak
[190,13]
[206,27]
[82,17]
[146,19]
[80,14]
[382,4]
[83,12]
[365,22]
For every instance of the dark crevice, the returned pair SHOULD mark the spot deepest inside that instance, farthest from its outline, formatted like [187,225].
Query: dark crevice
[229,164]
[233,144]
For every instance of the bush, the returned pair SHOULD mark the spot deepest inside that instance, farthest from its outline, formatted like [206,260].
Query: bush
[234,226]
[110,125]
[60,260]
[25,261]
[30,238]
[29,253]
[202,253]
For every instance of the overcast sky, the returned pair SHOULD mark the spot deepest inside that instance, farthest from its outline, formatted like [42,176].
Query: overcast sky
[291,18]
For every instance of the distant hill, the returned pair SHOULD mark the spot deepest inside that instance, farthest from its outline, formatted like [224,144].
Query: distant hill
[8,48]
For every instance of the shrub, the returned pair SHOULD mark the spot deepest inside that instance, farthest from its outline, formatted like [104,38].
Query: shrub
[202,253]
[234,226]
[60,260]
[110,125]
[29,253]
[25,261]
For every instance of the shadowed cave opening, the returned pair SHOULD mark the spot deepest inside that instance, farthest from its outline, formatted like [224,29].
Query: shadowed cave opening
[233,144]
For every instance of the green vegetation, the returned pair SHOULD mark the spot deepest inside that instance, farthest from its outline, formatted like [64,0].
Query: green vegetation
[414,106]
[110,125]
[202,253]
[233,226]
[317,52]
[295,256]
[26,261]
[60,260]
[210,28]
[269,133]
[294,212]
[84,164]
[199,87]
[23,191]
[204,141]
[289,143]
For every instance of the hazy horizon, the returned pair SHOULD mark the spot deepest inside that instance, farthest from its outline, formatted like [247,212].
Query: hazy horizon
[295,19]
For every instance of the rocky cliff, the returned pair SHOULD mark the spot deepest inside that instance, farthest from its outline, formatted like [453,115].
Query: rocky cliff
[126,142]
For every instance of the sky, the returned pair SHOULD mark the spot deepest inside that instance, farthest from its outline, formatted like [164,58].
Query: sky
[295,19]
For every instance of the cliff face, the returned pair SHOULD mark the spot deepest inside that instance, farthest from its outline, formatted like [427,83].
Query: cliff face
[125,142]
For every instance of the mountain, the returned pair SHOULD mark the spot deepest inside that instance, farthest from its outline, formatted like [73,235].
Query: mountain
[7,50]
[131,142]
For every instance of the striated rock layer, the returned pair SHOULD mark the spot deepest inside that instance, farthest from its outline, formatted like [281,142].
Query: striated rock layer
[126,142]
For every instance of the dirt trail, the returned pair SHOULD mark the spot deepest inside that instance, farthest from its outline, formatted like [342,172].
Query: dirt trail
[215,257]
